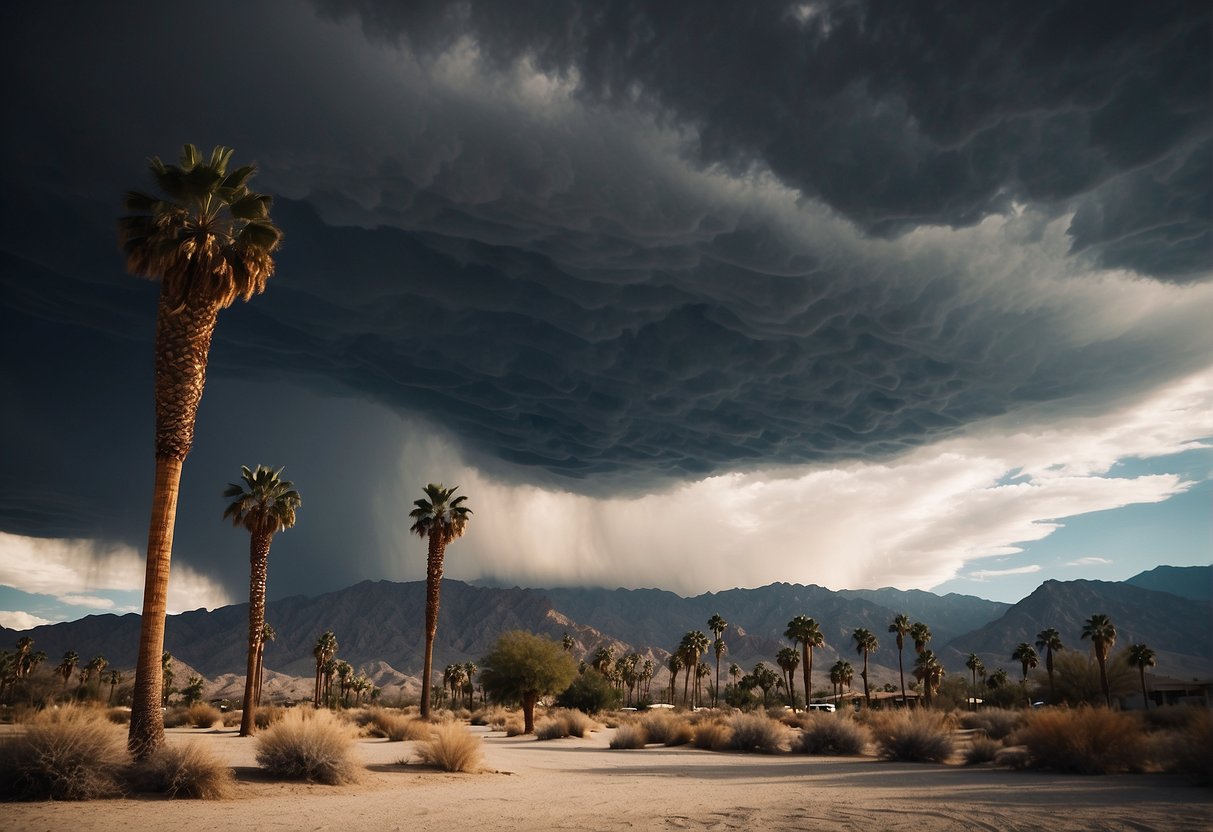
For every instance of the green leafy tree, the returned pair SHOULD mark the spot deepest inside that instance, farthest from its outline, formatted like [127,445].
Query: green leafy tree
[567,643]
[263,504]
[1049,640]
[901,626]
[192,692]
[1140,656]
[208,240]
[1102,633]
[717,625]
[166,677]
[865,644]
[523,667]
[440,518]
[805,631]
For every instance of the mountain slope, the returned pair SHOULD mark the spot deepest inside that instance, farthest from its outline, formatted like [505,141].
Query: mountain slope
[1193,582]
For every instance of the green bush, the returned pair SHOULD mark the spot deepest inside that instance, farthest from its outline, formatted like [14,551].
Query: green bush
[590,692]
[309,745]
[191,771]
[912,736]
[69,753]
[833,734]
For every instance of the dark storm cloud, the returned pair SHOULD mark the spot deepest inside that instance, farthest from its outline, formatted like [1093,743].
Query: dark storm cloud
[900,114]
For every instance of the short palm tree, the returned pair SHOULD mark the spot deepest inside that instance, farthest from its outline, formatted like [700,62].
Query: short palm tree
[901,626]
[998,679]
[841,674]
[929,671]
[440,517]
[1025,654]
[865,643]
[263,504]
[323,652]
[804,631]
[675,665]
[1141,657]
[717,625]
[694,645]
[209,240]
[921,634]
[66,667]
[788,660]
[1102,633]
[976,665]
[114,679]
[1049,640]
[567,643]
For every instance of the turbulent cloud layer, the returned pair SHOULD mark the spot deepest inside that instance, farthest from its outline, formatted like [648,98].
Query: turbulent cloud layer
[636,273]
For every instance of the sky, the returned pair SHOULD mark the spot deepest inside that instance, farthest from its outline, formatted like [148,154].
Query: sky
[855,293]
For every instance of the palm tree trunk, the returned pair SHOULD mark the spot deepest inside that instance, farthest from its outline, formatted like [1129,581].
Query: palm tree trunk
[259,557]
[901,671]
[147,721]
[716,690]
[1145,702]
[1103,678]
[807,670]
[867,699]
[433,587]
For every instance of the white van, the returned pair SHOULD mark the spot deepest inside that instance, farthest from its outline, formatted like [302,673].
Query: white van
[828,707]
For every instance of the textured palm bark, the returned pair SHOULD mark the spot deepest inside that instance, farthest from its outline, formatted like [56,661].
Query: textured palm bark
[183,340]
[433,587]
[259,558]
[147,721]
[901,671]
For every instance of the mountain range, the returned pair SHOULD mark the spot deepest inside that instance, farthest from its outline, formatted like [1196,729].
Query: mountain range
[378,624]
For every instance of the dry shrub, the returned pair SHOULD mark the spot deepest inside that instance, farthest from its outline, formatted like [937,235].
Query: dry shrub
[667,729]
[396,726]
[629,735]
[493,717]
[832,734]
[915,736]
[1016,758]
[564,723]
[1174,718]
[265,717]
[191,771]
[1187,752]
[231,719]
[119,716]
[514,727]
[713,736]
[755,732]
[177,717]
[309,745]
[202,715]
[995,722]
[451,747]
[1084,740]
[982,750]
[70,753]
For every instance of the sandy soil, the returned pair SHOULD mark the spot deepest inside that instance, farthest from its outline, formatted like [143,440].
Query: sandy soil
[580,784]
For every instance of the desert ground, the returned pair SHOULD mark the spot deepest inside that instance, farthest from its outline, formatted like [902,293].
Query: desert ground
[580,784]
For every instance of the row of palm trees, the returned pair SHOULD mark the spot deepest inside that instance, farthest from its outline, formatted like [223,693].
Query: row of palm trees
[19,665]
[352,688]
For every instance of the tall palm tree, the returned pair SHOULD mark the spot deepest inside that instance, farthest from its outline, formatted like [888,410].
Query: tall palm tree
[901,626]
[646,675]
[1049,640]
[264,504]
[1102,633]
[268,633]
[804,631]
[96,666]
[675,665]
[717,625]
[209,240]
[694,645]
[469,689]
[865,643]
[976,665]
[325,649]
[25,646]
[841,674]
[788,660]
[1025,654]
[921,634]
[603,658]
[1141,657]
[440,517]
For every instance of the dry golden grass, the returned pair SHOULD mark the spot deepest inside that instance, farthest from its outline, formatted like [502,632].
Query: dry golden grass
[69,753]
[982,750]
[667,729]
[514,727]
[629,735]
[995,722]
[564,722]
[202,715]
[309,745]
[191,771]
[396,726]
[757,732]
[714,735]
[912,736]
[451,747]
[118,716]
[1083,741]
[832,734]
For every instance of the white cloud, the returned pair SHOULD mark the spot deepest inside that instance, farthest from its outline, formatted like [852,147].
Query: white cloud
[1090,561]
[20,620]
[985,574]
[73,570]
[913,523]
